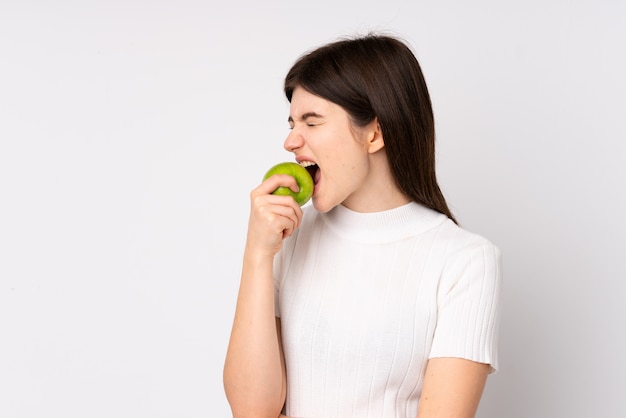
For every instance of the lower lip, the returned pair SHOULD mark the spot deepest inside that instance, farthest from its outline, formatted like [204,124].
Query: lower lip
[316,187]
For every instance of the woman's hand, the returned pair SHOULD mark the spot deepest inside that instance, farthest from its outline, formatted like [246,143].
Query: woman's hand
[272,218]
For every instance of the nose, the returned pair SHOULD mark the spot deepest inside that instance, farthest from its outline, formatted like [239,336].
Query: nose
[294,141]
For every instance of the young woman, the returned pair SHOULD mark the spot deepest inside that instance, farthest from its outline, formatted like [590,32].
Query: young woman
[372,301]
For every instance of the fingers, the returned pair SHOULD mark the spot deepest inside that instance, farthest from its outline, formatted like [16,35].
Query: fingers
[278,180]
[277,210]
[262,196]
[272,218]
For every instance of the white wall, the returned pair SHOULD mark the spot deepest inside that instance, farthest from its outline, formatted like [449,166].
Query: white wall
[132,131]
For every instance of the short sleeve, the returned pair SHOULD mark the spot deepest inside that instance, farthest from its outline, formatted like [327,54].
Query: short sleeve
[468,299]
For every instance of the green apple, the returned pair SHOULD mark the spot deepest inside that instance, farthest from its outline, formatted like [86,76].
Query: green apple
[302,176]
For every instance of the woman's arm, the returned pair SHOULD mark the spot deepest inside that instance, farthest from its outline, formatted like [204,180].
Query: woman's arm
[452,388]
[254,370]
[254,377]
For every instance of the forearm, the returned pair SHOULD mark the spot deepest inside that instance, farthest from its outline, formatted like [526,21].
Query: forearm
[253,371]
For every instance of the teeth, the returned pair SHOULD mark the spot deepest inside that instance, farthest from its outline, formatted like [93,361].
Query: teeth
[306,163]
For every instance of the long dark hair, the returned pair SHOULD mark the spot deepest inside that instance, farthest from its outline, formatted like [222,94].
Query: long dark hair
[378,76]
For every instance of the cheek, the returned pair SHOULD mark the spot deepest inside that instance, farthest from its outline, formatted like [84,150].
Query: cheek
[352,172]
[343,155]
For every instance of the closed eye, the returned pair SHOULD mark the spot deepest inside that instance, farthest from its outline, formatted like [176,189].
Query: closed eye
[306,118]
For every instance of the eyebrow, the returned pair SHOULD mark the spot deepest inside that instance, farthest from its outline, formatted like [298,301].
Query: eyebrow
[305,116]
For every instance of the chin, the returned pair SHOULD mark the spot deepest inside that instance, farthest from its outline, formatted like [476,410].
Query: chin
[322,206]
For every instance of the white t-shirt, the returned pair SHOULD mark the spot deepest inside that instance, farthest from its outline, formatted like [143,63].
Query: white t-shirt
[365,299]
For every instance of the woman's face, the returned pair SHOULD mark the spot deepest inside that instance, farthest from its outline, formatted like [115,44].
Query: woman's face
[323,134]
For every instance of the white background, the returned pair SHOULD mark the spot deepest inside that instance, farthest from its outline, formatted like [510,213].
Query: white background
[131,133]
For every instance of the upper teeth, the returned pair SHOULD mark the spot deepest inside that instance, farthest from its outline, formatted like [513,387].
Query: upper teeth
[306,163]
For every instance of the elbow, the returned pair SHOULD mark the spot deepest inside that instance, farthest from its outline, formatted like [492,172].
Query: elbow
[249,412]
[244,404]
[252,400]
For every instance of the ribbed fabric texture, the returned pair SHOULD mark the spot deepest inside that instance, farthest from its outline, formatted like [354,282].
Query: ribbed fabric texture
[366,299]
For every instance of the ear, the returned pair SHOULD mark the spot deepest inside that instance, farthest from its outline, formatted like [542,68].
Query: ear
[375,140]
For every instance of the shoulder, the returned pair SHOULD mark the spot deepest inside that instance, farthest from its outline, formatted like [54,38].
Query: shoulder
[470,257]
[460,241]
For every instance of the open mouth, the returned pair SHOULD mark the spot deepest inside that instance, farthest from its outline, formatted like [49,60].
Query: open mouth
[312,168]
